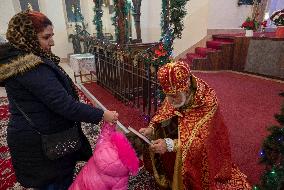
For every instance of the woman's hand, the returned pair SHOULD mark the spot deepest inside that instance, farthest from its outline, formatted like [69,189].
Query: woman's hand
[159,146]
[110,116]
[146,131]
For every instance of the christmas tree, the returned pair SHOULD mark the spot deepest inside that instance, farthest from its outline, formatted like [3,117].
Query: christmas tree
[272,155]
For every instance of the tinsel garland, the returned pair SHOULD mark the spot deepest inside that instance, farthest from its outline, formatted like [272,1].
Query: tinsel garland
[173,12]
[272,155]
[126,10]
[78,18]
[177,13]
[115,19]
[98,18]
[159,54]
[164,17]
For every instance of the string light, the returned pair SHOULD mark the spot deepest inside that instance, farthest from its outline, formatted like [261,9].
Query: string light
[261,153]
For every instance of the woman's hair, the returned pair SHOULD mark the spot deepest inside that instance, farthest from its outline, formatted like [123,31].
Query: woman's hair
[39,20]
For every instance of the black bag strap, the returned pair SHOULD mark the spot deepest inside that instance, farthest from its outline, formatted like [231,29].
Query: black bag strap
[32,125]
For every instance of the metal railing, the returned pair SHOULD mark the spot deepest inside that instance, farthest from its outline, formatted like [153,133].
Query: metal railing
[129,81]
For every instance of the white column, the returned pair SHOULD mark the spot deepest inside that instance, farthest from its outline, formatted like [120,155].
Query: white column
[7,12]
[150,20]
[54,10]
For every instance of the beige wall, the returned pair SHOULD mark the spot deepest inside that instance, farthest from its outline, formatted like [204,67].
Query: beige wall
[150,20]
[195,25]
[7,12]
[202,15]
[87,7]
[226,14]
[55,12]
[87,12]
[212,15]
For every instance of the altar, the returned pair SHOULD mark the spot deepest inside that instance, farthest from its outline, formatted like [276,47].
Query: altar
[83,66]
[266,57]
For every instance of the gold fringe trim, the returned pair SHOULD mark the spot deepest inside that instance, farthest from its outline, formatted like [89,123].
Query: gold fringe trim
[19,66]
[160,179]
[207,117]
[177,183]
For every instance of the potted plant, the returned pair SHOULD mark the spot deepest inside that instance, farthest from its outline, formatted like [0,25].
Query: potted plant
[277,18]
[250,25]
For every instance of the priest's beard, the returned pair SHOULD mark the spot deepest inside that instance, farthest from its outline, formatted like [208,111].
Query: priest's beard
[181,102]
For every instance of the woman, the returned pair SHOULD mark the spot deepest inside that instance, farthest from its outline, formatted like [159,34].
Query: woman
[37,85]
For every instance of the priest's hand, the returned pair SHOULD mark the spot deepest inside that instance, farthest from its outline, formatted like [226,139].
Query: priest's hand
[146,131]
[159,146]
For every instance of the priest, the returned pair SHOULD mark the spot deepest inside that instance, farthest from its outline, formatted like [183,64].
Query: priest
[190,147]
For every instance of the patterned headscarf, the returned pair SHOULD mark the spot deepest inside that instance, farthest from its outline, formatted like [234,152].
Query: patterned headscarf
[22,35]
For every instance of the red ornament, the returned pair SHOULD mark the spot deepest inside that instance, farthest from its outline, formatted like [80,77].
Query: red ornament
[264,23]
[160,51]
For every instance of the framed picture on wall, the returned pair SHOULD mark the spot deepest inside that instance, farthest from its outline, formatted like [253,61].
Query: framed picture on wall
[29,4]
[247,2]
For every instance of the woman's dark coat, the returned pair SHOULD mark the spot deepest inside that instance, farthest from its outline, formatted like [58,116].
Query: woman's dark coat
[43,92]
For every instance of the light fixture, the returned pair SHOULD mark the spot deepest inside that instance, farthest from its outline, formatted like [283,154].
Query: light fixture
[266,16]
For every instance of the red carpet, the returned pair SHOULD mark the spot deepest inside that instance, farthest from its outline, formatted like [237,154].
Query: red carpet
[7,177]
[128,116]
[248,105]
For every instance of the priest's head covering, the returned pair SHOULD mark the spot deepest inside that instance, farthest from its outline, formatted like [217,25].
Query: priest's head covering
[174,77]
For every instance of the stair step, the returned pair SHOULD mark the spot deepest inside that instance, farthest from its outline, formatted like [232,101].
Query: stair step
[216,44]
[185,60]
[203,51]
[192,56]
[199,64]
[224,37]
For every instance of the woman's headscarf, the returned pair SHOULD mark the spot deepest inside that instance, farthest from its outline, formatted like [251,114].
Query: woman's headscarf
[22,35]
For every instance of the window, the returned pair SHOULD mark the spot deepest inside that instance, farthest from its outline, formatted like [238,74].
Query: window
[73,10]
[247,2]
[29,4]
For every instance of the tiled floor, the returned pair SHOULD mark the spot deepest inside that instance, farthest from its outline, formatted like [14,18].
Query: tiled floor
[65,66]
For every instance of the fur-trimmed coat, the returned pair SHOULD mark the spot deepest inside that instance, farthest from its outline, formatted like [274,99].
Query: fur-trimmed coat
[43,92]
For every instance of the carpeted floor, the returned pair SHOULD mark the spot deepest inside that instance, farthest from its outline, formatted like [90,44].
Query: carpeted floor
[128,115]
[248,105]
